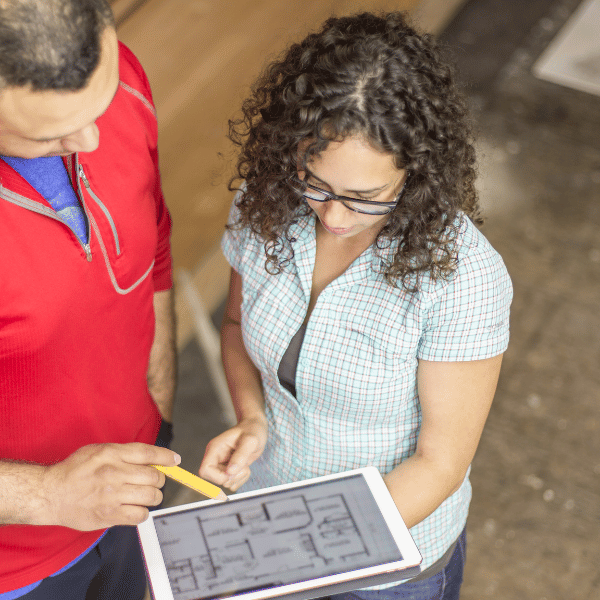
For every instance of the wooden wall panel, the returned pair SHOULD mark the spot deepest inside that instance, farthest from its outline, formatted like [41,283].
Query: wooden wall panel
[201,56]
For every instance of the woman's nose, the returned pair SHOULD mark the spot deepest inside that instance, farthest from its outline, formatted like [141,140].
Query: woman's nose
[336,213]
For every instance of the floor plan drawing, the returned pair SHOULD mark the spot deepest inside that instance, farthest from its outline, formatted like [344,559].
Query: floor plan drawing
[263,543]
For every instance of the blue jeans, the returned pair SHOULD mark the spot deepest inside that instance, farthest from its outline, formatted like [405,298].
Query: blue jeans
[111,570]
[445,585]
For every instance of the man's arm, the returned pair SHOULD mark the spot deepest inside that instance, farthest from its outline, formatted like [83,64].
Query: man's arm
[21,498]
[162,367]
[100,485]
[97,486]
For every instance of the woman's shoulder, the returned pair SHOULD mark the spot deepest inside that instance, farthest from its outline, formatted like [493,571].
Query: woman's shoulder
[473,248]
[477,262]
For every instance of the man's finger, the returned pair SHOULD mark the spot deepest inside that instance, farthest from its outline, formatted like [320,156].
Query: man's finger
[132,515]
[145,454]
[137,495]
[142,475]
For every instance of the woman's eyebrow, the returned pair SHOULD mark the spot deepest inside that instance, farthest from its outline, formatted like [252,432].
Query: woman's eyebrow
[379,189]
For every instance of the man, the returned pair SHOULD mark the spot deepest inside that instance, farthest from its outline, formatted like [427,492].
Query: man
[86,320]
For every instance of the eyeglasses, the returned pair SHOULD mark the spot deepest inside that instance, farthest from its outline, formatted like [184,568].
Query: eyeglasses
[368,207]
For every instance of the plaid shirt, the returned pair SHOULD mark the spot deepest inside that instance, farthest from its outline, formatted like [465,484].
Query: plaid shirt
[357,400]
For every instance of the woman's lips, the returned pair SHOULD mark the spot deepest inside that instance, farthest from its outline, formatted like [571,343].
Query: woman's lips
[336,231]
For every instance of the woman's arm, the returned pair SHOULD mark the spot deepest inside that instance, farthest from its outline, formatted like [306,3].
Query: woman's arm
[229,455]
[455,400]
[243,378]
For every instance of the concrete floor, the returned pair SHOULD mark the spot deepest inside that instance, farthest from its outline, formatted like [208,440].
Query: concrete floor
[534,529]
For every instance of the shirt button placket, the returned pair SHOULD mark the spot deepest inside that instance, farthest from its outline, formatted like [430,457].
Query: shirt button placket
[298,456]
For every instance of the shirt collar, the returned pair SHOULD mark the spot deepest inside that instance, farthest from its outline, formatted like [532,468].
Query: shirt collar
[367,266]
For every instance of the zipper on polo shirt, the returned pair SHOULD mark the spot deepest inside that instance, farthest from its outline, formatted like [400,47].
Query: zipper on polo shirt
[87,247]
[81,176]
[86,183]
[88,252]
[46,211]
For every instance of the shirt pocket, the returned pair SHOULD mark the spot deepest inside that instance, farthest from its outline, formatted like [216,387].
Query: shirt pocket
[376,360]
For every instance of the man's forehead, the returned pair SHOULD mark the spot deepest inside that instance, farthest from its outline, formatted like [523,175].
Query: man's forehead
[48,115]
[51,114]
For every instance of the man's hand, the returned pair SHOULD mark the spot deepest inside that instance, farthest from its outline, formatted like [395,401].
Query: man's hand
[102,485]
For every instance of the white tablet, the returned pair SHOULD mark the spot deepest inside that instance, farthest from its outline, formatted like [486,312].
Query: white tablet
[301,540]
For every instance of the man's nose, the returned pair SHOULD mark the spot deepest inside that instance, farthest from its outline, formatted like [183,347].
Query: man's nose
[84,140]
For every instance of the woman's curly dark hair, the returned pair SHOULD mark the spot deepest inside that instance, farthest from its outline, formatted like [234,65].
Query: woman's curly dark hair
[376,77]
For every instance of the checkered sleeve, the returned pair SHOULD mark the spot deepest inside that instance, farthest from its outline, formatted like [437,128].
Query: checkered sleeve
[234,240]
[467,318]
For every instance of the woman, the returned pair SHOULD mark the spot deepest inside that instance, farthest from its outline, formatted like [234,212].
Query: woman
[367,316]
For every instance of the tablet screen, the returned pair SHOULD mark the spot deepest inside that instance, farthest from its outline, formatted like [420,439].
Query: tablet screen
[287,537]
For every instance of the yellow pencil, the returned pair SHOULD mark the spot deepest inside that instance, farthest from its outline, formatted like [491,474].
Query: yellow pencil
[192,481]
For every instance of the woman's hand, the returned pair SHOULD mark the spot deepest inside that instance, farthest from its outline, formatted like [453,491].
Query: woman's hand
[228,457]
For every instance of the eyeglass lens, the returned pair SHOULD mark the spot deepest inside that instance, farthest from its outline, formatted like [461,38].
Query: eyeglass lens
[358,206]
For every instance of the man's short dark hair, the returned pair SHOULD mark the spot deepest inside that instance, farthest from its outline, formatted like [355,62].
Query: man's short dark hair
[51,44]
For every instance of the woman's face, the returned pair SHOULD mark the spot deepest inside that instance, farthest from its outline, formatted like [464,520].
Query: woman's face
[355,169]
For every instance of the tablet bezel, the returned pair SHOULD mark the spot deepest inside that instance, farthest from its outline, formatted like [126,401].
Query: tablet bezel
[312,588]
